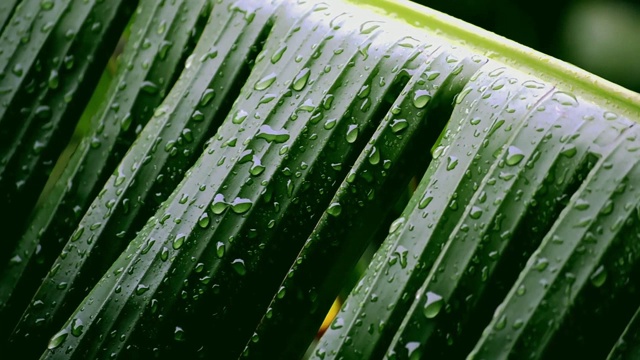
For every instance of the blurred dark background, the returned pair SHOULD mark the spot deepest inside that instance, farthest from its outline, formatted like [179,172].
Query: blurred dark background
[600,36]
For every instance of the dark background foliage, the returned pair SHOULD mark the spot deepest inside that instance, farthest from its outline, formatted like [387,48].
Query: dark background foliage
[600,36]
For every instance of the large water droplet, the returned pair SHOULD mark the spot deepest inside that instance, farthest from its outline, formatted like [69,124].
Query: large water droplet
[241,205]
[77,327]
[421,98]
[352,133]
[240,116]
[565,98]
[432,305]
[271,135]
[239,267]
[397,125]
[58,339]
[335,209]
[265,82]
[277,55]
[300,81]
[179,241]
[207,96]
[475,213]
[514,156]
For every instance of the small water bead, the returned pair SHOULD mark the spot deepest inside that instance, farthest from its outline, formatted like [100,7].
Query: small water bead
[218,205]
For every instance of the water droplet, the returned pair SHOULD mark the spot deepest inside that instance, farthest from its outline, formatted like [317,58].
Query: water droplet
[426,200]
[240,116]
[414,352]
[220,249]
[141,289]
[401,253]
[77,327]
[58,339]
[178,334]
[335,209]
[421,98]
[300,81]
[197,116]
[240,205]
[265,82]
[397,125]
[541,264]
[432,305]
[203,221]
[452,162]
[565,98]
[338,323]
[54,79]
[277,55]
[257,168]
[239,267]
[475,213]
[46,4]
[569,150]
[396,225]
[163,49]
[352,133]
[501,323]
[514,156]
[374,156]
[179,240]
[76,234]
[599,276]
[207,96]
[330,123]
[581,204]
[149,87]
[369,26]
[271,135]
